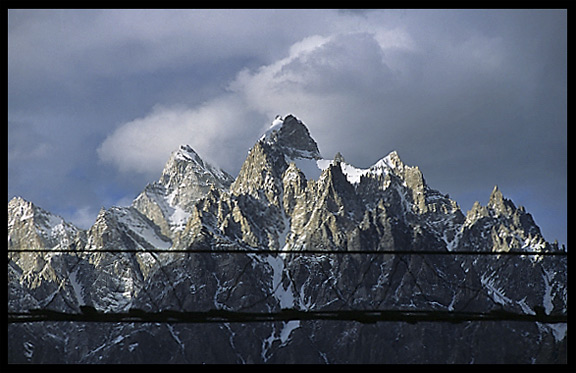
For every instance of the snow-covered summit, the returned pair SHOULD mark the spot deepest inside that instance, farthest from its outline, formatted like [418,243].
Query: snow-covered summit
[186,153]
[186,160]
[30,226]
[274,128]
[388,164]
[186,178]
[313,168]
[291,136]
[287,198]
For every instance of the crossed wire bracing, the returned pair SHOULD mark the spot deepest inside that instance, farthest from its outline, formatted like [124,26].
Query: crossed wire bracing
[244,315]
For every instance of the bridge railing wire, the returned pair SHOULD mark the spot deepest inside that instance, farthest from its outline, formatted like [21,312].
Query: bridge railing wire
[90,314]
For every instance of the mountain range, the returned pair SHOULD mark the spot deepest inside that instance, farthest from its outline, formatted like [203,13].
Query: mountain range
[292,231]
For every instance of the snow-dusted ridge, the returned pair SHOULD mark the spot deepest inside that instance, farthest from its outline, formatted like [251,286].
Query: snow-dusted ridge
[287,198]
[312,164]
[274,128]
[354,174]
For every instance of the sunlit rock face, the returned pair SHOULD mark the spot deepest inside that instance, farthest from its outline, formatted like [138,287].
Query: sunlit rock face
[286,199]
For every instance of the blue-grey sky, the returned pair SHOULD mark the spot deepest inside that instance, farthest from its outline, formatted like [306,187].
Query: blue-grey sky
[98,99]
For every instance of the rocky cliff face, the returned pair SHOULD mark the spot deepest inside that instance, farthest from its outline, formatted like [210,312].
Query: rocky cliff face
[501,226]
[30,227]
[186,178]
[286,199]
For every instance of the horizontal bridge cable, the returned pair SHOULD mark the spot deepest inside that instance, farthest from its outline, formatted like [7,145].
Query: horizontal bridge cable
[297,252]
[89,314]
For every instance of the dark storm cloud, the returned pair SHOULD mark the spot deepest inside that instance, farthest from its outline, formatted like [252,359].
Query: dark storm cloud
[473,97]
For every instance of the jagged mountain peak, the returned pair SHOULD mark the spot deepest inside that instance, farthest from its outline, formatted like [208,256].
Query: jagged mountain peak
[16,200]
[20,205]
[22,210]
[335,176]
[501,226]
[30,226]
[498,204]
[287,198]
[186,153]
[292,137]
[185,180]
[391,161]
[125,227]
[185,160]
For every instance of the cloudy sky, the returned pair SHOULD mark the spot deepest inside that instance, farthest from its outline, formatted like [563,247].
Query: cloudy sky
[98,99]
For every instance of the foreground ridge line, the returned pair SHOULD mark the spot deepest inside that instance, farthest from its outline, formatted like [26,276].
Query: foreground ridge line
[89,314]
[296,252]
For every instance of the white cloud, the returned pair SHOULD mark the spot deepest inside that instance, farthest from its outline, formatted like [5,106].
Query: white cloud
[345,86]
[381,86]
[213,129]
[83,217]
[468,95]
[316,81]
[341,86]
